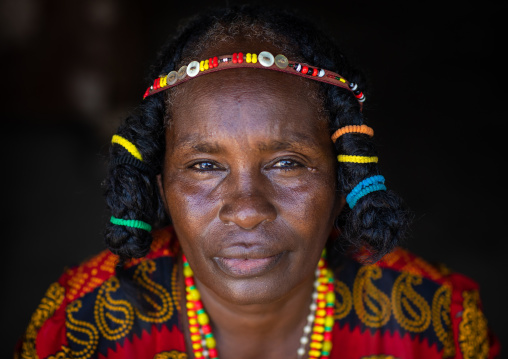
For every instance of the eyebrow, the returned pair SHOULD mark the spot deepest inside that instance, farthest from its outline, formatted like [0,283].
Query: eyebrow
[296,141]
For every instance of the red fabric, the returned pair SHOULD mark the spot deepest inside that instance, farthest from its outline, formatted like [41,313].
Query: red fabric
[351,338]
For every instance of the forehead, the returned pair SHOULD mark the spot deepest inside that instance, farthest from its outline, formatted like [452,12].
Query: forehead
[247,99]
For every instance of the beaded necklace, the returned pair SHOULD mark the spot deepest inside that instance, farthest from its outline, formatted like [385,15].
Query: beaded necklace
[319,321]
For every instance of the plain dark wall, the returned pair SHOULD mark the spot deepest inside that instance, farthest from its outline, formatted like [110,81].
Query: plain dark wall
[72,70]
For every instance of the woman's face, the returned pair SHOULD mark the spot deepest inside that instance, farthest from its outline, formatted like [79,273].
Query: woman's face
[249,180]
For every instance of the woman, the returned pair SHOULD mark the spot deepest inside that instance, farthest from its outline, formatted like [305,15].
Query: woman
[271,185]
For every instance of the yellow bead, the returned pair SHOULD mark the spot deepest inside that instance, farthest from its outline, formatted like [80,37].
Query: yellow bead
[321,296]
[317,337]
[196,346]
[194,329]
[202,65]
[162,81]
[203,319]
[189,305]
[327,346]
[194,295]
[206,65]
[318,329]
[322,288]
[321,305]
[210,342]
[196,338]
[315,353]
[198,355]
[193,321]
[320,321]
[187,272]
[191,313]
[330,297]
[316,345]
[329,322]
[320,313]
[254,58]
[248,58]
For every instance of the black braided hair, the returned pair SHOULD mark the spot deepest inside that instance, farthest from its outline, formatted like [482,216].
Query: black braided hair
[377,221]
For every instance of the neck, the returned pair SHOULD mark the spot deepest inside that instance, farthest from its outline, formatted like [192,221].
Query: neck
[241,331]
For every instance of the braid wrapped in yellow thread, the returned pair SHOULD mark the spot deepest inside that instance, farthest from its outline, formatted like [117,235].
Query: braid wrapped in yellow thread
[129,146]
[357,159]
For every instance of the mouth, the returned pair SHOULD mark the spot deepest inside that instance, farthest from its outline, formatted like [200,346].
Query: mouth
[247,267]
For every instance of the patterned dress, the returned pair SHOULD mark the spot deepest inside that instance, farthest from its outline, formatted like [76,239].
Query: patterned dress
[401,307]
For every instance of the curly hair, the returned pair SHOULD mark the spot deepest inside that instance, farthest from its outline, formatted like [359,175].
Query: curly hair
[376,222]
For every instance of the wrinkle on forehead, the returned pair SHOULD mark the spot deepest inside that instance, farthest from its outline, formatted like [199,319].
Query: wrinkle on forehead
[310,91]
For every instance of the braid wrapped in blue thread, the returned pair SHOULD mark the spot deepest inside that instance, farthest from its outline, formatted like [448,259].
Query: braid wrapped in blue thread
[368,185]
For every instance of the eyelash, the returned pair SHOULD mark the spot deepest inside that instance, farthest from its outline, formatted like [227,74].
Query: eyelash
[214,167]
[293,165]
[195,166]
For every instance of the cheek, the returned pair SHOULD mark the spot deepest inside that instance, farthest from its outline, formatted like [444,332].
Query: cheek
[190,203]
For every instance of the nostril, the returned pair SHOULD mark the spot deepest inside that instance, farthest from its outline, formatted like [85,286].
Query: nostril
[247,212]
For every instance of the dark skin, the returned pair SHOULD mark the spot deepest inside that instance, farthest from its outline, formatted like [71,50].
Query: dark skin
[249,180]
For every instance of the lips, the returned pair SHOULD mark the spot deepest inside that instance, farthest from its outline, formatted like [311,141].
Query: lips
[247,266]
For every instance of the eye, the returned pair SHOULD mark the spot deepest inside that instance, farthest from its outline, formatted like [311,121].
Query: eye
[204,166]
[287,164]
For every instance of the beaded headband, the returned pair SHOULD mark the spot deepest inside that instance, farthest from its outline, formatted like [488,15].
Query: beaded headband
[263,60]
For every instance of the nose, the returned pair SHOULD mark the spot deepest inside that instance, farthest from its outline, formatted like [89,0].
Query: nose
[245,205]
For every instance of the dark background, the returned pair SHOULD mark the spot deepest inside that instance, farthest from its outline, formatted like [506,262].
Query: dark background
[71,70]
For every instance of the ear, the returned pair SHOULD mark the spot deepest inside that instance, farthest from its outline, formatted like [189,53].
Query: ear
[161,191]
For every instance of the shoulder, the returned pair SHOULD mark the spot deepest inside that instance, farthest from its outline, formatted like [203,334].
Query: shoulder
[87,310]
[92,273]
[415,301]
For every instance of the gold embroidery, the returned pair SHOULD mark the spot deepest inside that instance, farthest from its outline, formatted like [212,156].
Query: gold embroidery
[60,354]
[473,338]
[163,310]
[174,287]
[49,303]
[410,309]
[170,355]
[441,320]
[104,308]
[379,357]
[342,309]
[365,293]
[91,333]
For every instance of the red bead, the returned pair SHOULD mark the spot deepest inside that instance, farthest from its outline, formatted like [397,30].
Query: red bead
[210,63]
[157,83]
[198,305]
[189,281]
[360,95]
[330,287]
[329,311]
[305,69]
[327,336]
[235,59]
[147,92]
[315,72]
[206,328]
[215,61]
[240,57]
[212,352]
